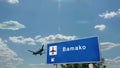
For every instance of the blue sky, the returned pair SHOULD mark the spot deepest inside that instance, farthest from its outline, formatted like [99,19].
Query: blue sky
[27,24]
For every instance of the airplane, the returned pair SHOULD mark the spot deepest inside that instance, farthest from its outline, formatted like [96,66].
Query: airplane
[41,51]
[53,50]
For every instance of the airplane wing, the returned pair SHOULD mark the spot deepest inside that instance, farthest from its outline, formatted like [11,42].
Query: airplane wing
[30,51]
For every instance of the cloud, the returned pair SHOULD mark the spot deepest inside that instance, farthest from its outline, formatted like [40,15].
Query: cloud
[54,38]
[36,65]
[108,45]
[100,27]
[104,46]
[82,22]
[108,15]
[21,39]
[41,65]
[8,58]
[40,39]
[117,59]
[113,63]
[11,25]
[13,1]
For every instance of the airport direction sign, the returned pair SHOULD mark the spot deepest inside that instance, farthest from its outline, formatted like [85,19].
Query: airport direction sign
[76,51]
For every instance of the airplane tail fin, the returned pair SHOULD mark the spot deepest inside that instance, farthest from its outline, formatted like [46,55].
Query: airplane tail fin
[42,46]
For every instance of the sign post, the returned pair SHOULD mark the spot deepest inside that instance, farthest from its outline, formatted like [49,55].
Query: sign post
[55,65]
[75,51]
[91,65]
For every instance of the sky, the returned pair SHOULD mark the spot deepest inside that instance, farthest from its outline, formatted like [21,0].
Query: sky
[28,24]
